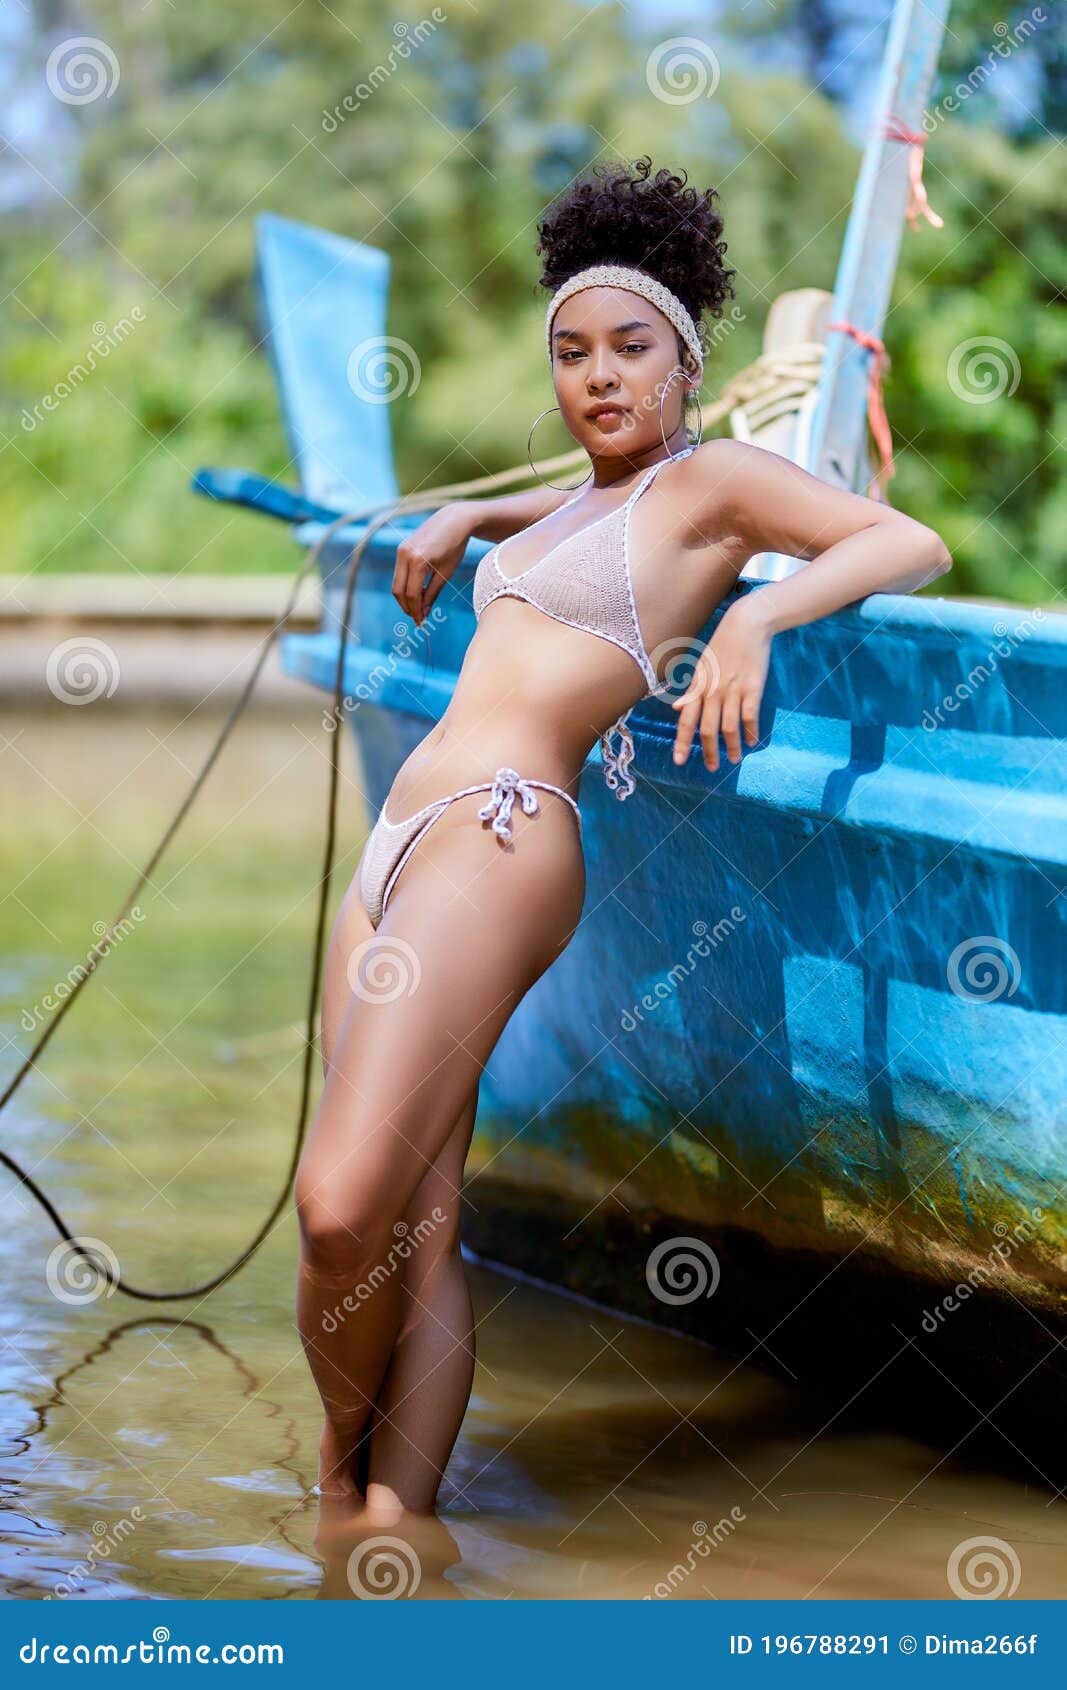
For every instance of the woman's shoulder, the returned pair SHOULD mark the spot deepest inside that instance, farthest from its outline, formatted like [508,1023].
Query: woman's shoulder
[724,455]
[723,478]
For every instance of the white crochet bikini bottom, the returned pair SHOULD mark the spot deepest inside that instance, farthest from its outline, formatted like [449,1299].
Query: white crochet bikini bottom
[390,844]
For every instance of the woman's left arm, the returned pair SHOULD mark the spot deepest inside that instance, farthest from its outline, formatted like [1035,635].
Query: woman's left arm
[764,502]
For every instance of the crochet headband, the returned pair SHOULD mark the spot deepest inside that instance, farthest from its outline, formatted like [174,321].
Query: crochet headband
[636,281]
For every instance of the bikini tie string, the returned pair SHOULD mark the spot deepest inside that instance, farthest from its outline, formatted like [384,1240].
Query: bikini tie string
[506,784]
[617,764]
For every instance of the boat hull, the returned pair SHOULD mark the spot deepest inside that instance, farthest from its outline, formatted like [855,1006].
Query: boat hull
[814,1018]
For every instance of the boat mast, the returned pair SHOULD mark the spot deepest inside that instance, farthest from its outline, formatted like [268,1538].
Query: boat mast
[838,441]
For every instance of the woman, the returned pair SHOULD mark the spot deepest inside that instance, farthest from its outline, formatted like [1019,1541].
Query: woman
[473,876]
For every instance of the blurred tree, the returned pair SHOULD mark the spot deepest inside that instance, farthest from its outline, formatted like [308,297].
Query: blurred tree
[462,131]
[1013,63]
[1014,59]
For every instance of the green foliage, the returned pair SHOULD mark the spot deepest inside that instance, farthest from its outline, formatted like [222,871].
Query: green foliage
[225,111]
[980,429]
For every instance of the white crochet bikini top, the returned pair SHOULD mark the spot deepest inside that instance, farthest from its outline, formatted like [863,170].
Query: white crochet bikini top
[586,581]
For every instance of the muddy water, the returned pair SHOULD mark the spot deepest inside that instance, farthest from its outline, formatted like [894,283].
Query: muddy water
[170,1450]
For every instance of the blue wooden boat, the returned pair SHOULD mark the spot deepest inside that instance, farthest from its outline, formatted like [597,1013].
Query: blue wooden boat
[797,1085]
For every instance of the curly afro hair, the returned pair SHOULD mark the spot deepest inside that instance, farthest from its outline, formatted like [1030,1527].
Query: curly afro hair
[622,214]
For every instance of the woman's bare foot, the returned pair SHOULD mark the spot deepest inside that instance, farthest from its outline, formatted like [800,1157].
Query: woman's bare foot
[384,1552]
[384,1507]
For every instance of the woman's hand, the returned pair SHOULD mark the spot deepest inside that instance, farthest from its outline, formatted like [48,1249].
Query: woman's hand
[436,549]
[727,685]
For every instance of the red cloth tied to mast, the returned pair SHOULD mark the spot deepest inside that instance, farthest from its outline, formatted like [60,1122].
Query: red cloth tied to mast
[918,204]
[876,412]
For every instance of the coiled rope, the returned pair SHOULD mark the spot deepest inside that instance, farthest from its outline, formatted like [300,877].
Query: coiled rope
[757,382]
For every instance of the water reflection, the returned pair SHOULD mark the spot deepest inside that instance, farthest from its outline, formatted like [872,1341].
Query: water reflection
[613,1461]
[175,1454]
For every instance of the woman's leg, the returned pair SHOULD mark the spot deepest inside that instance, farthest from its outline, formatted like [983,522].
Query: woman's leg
[433,1362]
[427,1385]
[469,928]
[338,1446]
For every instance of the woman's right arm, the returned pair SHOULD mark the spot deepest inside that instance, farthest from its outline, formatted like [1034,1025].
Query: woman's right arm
[436,547]
[495,519]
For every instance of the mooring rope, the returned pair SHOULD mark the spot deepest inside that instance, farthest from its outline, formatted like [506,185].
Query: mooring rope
[770,375]
[85,970]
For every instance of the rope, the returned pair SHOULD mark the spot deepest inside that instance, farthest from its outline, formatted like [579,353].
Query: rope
[876,412]
[85,971]
[771,378]
[918,205]
[773,384]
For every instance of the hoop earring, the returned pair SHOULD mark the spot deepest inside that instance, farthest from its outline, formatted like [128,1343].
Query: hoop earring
[537,472]
[692,439]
